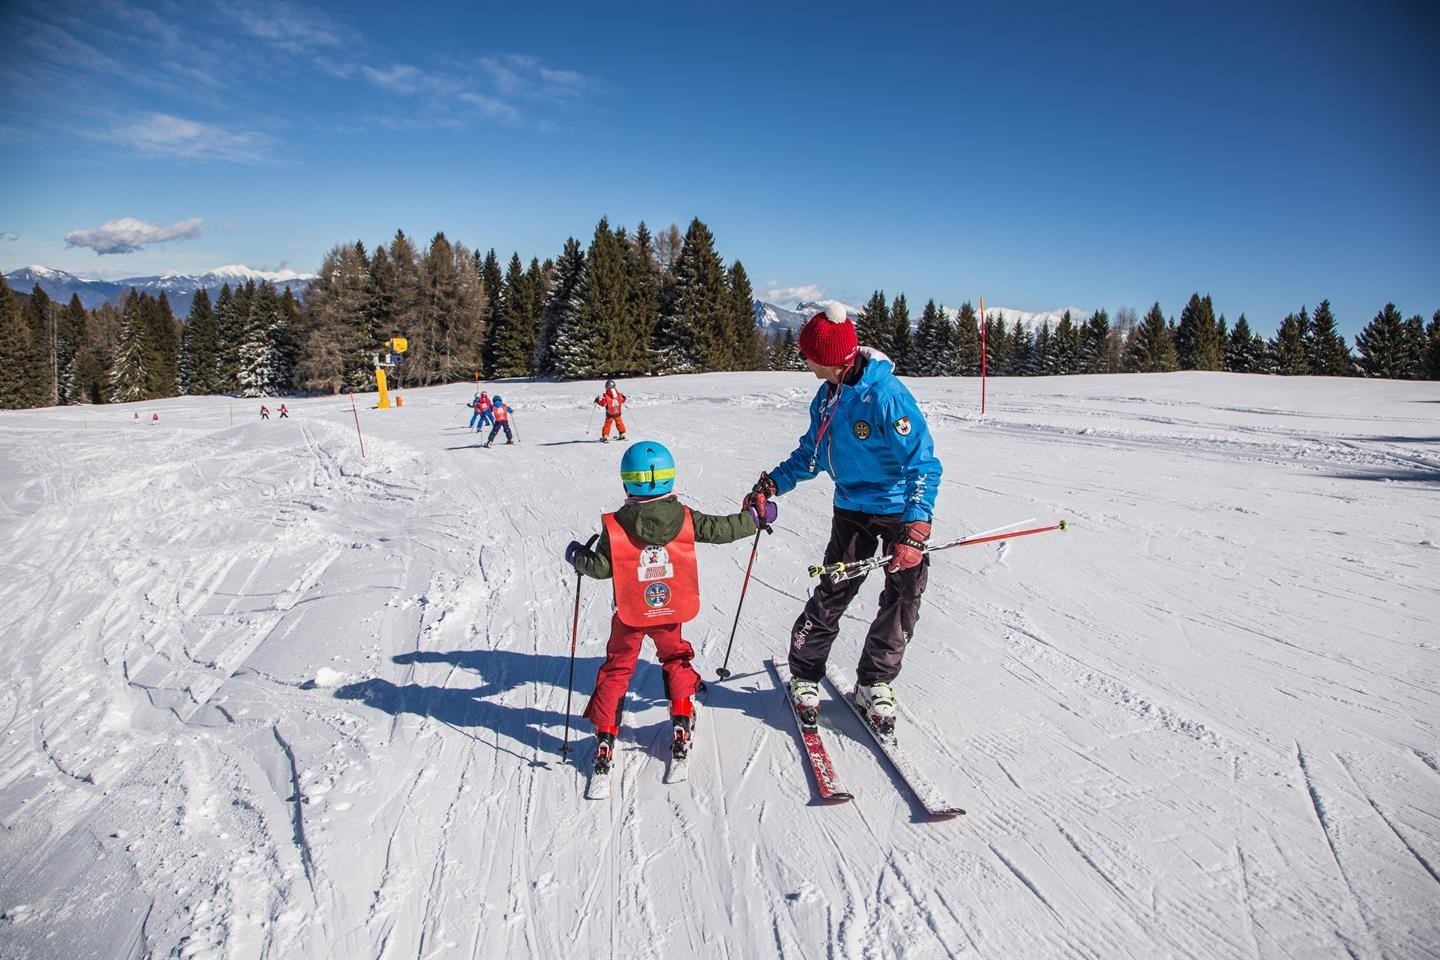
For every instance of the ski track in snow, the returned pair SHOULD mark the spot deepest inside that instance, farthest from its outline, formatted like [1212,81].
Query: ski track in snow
[1199,723]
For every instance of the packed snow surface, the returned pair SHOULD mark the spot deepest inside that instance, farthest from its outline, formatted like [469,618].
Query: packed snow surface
[265,697]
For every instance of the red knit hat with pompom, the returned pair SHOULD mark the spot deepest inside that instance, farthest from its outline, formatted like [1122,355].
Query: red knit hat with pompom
[829,339]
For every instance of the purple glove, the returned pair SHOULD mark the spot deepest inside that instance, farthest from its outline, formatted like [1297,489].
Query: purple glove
[763,512]
[573,552]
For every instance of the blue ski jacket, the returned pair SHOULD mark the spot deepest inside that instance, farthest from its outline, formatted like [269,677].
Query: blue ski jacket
[873,442]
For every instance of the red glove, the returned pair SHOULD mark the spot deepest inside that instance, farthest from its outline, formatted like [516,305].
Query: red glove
[759,494]
[910,548]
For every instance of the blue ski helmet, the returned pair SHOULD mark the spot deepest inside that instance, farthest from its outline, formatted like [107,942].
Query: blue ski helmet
[647,469]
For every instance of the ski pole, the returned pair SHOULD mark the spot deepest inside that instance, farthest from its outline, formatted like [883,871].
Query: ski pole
[591,422]
[724,672]
[574,635]
[849,570]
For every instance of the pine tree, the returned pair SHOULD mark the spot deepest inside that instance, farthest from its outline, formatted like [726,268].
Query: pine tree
[931,351]
[1381,349]
[492,280]
[19,356]
[790,353]
[749,349]
[610,341]
[1431,369]
[264,369]
[1151,345]
[39,313]
[1021,358]
[1325,349]
[693,334]
[900,338]
[515,333]
[563,351]
[1197,344]
[1244,350]
[72,339]
[1090,353]
[128,375]
[644,284]
[1043,360]
[333,336]
[997,344]
[1065,347]
[967,341]
[199,348]
[1288,347]
[873,325]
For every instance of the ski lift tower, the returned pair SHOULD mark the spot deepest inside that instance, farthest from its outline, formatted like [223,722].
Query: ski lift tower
[390,356]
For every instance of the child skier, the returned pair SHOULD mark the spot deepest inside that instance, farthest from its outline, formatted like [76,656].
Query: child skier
[647,549]
[284,414]
[264,412]
[613,401]
[501,411]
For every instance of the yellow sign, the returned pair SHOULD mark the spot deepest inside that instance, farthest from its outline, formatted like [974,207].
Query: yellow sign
[398,344]
[384,403]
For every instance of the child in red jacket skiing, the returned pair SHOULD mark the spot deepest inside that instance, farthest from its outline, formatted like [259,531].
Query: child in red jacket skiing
[613,401]
[647,549]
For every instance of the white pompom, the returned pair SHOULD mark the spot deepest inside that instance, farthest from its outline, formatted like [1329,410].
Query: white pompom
[835,313]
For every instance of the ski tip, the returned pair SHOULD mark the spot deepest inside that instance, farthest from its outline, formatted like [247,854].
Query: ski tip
[837,798]
[949,813]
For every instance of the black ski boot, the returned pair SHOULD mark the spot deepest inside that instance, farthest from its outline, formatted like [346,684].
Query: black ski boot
[680,746]
[604,752]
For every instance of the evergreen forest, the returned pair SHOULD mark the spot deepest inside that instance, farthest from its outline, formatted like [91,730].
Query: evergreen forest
[628,304]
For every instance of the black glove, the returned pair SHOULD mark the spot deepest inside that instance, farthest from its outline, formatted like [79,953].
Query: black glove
[574,552]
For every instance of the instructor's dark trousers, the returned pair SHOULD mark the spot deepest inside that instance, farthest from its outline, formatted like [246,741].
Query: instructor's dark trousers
[855,536]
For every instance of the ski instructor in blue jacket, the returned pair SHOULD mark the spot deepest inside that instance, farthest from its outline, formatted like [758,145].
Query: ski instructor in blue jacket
[868,434]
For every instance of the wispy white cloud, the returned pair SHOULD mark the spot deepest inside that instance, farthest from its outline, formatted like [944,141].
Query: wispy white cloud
[290,28]
[128,235]
[160,134]
[525,77]
[782,295]
[401,78]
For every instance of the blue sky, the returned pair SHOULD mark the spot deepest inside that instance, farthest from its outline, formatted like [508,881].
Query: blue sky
[1271,155]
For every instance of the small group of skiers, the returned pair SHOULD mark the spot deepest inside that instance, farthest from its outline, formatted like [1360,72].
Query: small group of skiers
[492,412]
[265,412]
[867,432]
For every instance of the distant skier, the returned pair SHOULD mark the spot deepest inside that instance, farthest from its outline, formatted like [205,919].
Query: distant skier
[154,418]
[613,401]
[484,412]
[264,412]
[284,414]
[867,432]
[647,549]
[501,411]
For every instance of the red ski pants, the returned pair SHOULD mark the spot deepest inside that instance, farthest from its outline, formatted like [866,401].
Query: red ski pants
[674,652]
[618,420]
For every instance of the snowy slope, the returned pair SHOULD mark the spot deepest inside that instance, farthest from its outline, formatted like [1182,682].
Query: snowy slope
[265,697]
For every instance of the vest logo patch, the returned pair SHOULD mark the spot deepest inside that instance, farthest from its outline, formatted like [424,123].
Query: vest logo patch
[902,426]
[654,565]
[862,430]
[657,595]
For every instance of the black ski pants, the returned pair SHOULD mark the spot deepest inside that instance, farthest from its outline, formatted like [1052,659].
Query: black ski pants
[854,536]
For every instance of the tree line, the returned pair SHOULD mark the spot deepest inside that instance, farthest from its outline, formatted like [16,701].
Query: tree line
[628,304]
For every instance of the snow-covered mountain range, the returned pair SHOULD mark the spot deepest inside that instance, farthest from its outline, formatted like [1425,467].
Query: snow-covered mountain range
[180,289]
[771,317]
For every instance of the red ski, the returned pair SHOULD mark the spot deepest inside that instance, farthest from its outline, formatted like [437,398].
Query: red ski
[826,783]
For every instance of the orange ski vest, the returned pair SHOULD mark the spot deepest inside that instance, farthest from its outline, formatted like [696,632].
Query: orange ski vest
[654,584]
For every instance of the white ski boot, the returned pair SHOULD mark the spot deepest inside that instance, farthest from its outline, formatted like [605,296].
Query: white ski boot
[805,695]
[877,701]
